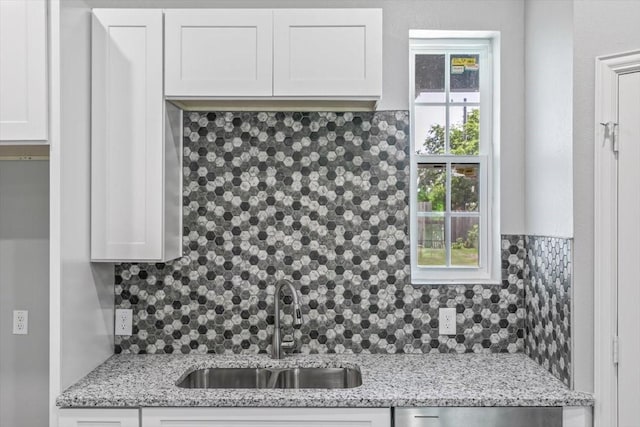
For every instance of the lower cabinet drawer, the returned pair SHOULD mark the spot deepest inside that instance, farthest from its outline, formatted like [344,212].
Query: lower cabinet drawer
[254,417]
[96,417]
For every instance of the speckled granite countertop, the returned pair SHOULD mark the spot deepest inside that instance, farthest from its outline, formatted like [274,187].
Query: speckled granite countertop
[388,380]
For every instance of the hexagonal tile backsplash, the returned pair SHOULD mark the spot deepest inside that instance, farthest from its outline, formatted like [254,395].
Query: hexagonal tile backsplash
[320,199]
[548,304]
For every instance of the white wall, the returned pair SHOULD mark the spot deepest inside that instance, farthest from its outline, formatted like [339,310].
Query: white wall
[548,118]
[24,285]
[401,15]
[600,27]
[85,290]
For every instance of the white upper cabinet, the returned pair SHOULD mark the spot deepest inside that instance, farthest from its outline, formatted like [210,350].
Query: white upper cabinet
[218,53]
[281,53]
[327,53]
[23,71]
[136,142]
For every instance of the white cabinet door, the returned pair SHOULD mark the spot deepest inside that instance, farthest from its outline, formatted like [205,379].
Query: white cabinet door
[98,418]
[257,417]
[23,70]
[218,53]
[327,52]
[577,416]
[136,153]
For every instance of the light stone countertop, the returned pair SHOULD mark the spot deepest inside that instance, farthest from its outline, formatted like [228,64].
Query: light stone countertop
[388,380]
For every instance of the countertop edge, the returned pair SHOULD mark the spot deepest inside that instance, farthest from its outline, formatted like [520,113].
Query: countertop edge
[401,381]
[267,403]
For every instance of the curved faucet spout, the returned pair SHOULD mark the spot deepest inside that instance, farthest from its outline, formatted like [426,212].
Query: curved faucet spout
[278,345]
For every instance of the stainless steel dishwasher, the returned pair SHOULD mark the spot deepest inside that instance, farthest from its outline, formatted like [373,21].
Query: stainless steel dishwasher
[479,417]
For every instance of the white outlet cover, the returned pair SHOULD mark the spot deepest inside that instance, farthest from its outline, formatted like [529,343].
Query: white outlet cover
[124,321]
[20,322]
[447,321]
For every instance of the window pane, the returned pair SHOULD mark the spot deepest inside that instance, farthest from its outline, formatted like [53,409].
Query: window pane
[465,78]
[464,130]
[431,241]
[432,187]
[429,129]
[465,239]
[465,187]
[430,78]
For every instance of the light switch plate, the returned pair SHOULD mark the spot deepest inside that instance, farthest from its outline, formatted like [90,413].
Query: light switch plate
[447,321]
[124,321]
[20,322]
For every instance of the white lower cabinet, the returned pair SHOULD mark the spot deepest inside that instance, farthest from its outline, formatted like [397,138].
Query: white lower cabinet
[577,416]
[294,417]
[99,418]
[254,417]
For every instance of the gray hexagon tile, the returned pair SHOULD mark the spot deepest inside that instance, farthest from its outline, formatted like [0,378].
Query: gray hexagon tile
[320,199]
[548,304]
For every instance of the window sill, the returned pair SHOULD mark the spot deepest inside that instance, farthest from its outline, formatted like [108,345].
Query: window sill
[435,282]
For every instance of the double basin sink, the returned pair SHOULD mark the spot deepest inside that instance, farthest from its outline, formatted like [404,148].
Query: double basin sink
[272,378]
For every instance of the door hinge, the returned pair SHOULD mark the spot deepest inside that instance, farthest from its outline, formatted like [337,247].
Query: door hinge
[616,350]
[610,132]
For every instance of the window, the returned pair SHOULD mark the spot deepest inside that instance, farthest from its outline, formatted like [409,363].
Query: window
[453,226]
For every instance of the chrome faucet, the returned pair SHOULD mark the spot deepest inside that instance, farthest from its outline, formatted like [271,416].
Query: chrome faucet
[280,345]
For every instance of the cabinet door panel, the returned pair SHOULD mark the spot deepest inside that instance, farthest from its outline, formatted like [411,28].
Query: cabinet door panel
[99,418]
[218,53]
[328,52]
[23,70]
[127,136]
[255,417]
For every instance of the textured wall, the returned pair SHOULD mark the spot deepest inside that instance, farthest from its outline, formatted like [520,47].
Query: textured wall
[548,278]
[320,199]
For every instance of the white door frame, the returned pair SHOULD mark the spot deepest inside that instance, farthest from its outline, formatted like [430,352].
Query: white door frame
[608,68]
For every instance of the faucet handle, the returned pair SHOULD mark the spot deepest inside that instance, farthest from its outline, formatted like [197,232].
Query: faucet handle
[297,318]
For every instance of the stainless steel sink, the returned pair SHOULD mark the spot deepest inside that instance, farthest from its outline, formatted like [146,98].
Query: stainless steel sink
[288,378]
[226,378]
[318,378]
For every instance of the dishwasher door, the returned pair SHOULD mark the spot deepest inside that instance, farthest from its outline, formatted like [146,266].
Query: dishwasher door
[479,417]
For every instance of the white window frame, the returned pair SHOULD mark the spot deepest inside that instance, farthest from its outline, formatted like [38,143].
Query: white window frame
[488,270]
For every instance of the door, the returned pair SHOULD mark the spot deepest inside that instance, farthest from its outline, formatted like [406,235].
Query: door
[628,248]
[218,53]
[23,70]
[327,52]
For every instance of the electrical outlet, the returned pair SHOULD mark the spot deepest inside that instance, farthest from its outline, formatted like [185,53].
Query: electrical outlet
[124,321]
[20,322]
[447,321]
